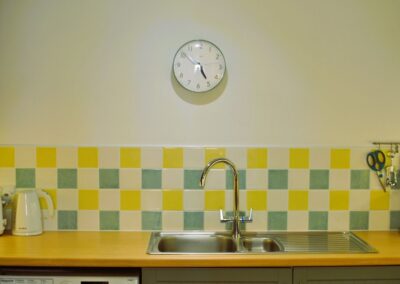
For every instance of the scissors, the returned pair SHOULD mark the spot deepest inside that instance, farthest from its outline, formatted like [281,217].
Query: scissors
[376,160]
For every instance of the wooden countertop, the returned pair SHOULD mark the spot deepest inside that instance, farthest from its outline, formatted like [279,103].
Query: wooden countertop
[128,249]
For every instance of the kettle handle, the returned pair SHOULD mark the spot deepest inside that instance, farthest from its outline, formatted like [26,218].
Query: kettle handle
[48,200]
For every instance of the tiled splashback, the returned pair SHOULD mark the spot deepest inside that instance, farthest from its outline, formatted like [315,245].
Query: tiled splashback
[156,188]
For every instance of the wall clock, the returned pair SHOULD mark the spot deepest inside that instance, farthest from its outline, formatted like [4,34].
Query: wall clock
[199,66]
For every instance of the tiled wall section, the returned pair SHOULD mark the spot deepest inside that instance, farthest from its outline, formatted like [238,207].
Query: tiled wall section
[155,188]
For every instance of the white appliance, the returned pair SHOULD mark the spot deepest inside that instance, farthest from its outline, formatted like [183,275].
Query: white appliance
[2,221]
[26,213]
[75,276]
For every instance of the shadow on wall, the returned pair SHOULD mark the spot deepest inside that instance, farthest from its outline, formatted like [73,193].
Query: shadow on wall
[199,98]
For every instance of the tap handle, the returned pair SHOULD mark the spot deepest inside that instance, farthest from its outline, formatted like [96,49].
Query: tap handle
[224,219]
[247,219]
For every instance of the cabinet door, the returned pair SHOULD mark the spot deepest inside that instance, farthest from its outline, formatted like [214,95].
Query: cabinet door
[347,275]
[217,275]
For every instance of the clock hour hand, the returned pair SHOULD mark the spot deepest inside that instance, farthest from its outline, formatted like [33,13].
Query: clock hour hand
[202,71]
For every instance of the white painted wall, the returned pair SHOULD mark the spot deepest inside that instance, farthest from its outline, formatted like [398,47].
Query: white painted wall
[299,72]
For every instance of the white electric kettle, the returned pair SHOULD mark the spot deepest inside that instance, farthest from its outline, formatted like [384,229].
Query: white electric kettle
[27,215]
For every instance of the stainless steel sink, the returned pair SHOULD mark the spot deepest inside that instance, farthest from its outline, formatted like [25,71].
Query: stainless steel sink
[256,243]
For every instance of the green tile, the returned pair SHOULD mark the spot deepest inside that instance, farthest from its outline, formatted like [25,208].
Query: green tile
[25,178]
[67,220]
[242,179]
[395,220]
[151,179]
[151,221]
[278,179]
[193,220]
[277,220]
[359,220]
[109,220]
[319,179]
[67,178]
[192,179]
[360,179]
[109,178]
[318,220]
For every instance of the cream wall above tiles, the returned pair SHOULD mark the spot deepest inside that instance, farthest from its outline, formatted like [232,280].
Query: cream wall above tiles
[98,72]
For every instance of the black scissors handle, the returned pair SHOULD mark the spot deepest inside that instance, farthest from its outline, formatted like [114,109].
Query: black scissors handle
[376,160]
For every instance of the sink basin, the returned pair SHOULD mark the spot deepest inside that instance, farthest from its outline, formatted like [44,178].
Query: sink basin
[261,245]
[196,243]
[256,243]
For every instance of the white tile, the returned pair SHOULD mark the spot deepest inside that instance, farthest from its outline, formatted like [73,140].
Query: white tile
[338,221]
[298,179]
[172,220]
[25,157]
[88,220]
[193,158]
[67,157]
[130,220]
[193,200]
[359,200]
[46,178]
[260,222]
[358,157]
[88,178]
[130,178]
[256,179]
[172,178]
[320,158]
[109,199]
[297,221]
[339,179]
[211,221]
[216,179]
[238,155]
[277,200]
[109,157]
[152,157]
[278,158]
[395,200]
[67,199]
[49,222]
[151,200]
[318,200]
[7,176]
[379,220]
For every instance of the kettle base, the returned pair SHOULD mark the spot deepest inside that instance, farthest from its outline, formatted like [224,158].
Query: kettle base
[22,233]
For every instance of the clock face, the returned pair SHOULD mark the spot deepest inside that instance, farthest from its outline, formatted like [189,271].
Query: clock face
[199,66]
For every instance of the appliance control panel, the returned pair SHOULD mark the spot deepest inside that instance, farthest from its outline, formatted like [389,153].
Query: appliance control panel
[9,279]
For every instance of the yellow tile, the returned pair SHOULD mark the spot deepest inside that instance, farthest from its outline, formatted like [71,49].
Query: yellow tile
[130,157]
[7,157]
[46,157]
[340,158]
[298,200]
[172,200]
[88,199]
[130,199]
[257,158]
[379,200]
[172,157]
[214,199]
[53,197]
[88,157]
[299,158]
[257,199]
[339,200]
[213,153]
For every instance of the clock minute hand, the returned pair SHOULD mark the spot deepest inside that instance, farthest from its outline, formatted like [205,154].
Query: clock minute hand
[202,71]
[191,59]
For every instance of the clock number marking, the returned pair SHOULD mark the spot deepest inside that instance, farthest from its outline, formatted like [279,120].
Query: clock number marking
[208,84]
[198,86]
[209,49]
[181,75]
[183,54]
[178,64]
[190,48]
[217,56]
[216,77]
[189,81]
[220,67]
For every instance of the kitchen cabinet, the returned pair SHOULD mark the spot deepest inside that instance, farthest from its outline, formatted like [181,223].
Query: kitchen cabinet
[347,275]
[217,275]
